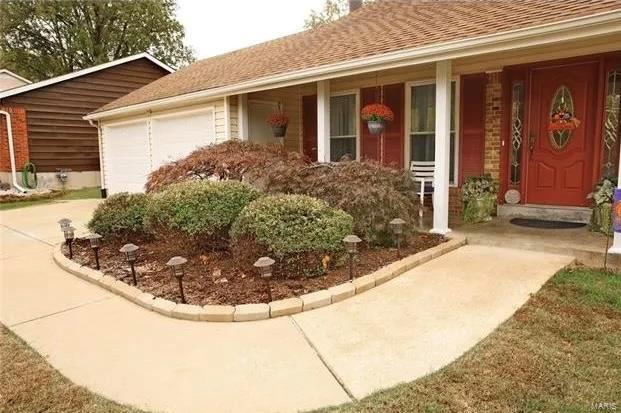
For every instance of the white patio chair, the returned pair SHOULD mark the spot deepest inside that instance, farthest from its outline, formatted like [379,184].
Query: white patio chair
[422,173]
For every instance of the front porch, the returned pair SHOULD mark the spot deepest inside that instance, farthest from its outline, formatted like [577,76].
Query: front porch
[471,116]
[589,248]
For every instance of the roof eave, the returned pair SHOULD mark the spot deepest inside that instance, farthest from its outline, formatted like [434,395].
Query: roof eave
[16,76]
[83,72]
[572,29]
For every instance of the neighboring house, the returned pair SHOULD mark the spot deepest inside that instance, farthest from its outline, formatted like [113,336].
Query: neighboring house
[10,80]
[474,86]
[47,119]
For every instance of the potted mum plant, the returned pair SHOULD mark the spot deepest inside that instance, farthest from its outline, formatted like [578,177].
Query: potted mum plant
[479,196]
[376,115]
[278,121]
[602,197]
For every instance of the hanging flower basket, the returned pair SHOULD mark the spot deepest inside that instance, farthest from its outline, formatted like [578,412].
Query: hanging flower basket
[278,121]
[376,115]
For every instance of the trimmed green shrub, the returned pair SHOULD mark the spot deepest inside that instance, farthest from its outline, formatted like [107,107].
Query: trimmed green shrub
[372,194]
[297,230]
[200,210]
[120,215]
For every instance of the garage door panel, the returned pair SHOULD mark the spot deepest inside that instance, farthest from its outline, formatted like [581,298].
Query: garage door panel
[127,160]
[174,137]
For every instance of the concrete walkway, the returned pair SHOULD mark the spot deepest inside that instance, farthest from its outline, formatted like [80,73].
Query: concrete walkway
[397,332]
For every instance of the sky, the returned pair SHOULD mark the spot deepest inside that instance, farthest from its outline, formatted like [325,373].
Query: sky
[214,27]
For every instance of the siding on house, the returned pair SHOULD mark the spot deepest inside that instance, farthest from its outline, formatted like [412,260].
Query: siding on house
[291,100]
[58,136]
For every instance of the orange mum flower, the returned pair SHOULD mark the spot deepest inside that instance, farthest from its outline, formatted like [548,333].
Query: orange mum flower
[377,112]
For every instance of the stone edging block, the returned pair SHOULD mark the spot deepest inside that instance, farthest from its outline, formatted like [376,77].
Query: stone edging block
[163,306]
[187,311]
[342,291]
[217,313]
[317,299]
[252,312]
[364,283]
[287,306]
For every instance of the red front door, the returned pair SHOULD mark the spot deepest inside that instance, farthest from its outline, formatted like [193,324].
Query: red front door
[560,163]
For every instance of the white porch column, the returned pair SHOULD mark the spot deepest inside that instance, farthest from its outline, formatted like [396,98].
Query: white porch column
[323,121]
[242,116]
[616,244]
[442,148]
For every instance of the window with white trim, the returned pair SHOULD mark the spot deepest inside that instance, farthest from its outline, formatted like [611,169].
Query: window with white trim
[342,127]
[423,124]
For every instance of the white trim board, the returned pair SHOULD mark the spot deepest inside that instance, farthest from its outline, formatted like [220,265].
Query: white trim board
[545,34]
[78,73]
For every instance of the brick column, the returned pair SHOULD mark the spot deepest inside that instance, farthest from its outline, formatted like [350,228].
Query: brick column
[493,116]
[20,139]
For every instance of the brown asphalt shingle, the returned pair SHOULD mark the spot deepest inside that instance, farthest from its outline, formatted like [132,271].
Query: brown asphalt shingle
[379,27]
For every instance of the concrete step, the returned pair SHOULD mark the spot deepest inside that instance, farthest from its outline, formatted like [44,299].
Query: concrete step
[589,255]
[545,212]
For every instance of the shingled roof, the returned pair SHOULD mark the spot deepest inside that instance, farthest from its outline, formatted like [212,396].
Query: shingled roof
[380,27]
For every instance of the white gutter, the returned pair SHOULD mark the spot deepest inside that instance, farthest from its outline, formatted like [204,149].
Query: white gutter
[99,143]
[9,128]
[549,33]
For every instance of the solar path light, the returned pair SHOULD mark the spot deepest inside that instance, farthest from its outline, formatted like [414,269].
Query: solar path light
[69,234]
[176,267]
[95,242]
[64,223]
[351,246]
[130,251]
[264,264]
[396,225]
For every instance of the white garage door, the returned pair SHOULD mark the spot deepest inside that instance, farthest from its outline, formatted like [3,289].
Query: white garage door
[175,136]
[126,156]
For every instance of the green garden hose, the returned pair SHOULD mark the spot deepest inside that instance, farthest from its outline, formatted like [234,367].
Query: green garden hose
[28,169]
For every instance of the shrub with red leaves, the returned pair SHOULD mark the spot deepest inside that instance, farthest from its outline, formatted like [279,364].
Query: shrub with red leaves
[372,194]
[377,112]
[231,160]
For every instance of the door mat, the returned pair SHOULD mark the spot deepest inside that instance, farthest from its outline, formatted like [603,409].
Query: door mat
[541,223]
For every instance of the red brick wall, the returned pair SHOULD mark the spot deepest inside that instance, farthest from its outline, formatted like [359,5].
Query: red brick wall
[493,116]
[456,207]
[20,139]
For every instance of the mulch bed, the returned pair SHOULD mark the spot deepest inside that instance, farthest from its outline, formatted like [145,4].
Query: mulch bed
[215,277]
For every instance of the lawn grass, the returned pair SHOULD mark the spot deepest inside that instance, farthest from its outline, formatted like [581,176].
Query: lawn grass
[561,352]
[84,193]
[28,384]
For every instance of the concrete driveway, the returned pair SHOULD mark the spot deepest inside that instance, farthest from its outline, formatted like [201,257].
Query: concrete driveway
[397,332]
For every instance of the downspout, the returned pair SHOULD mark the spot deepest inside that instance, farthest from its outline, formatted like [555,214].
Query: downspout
[104,191]
[9,129]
